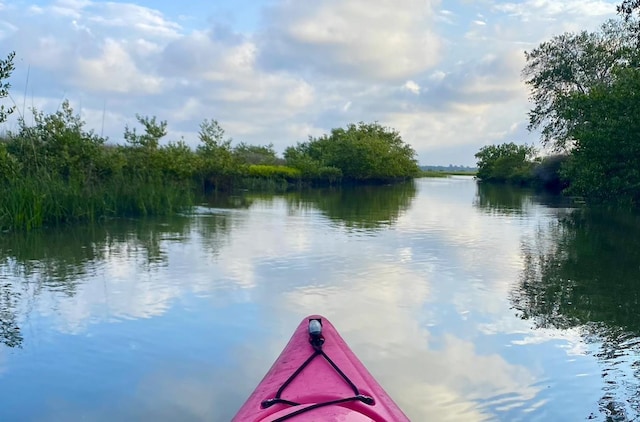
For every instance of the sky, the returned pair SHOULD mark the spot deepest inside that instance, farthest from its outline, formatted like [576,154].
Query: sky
[445,74]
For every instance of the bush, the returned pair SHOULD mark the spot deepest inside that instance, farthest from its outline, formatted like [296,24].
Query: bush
[362,153]
[284,172]
[506,163]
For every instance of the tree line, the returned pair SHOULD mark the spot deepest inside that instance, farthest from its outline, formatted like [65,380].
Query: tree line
[55,170]
[585,94]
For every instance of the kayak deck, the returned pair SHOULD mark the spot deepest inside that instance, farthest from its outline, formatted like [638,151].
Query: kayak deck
[318,377]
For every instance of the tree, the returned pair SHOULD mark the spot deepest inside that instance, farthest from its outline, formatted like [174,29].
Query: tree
[573,63]
[6,67]
[362,152]
[627,7]
[507,162]
[143,156]
[604,163]
[217,162]
[59,145]
[153,132]
[256,154]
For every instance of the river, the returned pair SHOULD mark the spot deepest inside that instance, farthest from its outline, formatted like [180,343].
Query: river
[466,303]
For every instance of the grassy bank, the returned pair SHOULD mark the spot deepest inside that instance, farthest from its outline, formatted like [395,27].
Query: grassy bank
[55,171]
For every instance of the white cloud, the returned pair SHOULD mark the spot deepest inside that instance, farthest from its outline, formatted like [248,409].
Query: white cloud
[554,9]
[378,40]
[413,87]
[6,28]
[35,10]
[115,70]
[445,16]
[130,17]
[443,76]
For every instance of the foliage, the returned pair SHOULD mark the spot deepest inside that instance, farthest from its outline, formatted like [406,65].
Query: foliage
[505,163]
[282,172]
[573,63]
[178,161]
[604,163]
[367,152]
[311,169]
[256,154]
[626,9]
[153,132]
[8,164]
[55,171]
[547,173]
[58,145]
[6,67]
[217,164]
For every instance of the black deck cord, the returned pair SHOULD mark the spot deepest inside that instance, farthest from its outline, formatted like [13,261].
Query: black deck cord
[317,405]
[316,343]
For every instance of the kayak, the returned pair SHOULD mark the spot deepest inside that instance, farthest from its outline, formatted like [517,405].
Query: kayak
[318,378]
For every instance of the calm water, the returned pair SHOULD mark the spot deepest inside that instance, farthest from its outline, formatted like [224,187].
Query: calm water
[466,304]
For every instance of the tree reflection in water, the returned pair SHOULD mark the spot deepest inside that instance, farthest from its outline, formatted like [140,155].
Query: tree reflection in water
[59,260]
[584,271]
[360,208]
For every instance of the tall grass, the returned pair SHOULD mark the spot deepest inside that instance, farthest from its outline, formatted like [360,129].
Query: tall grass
[32,202]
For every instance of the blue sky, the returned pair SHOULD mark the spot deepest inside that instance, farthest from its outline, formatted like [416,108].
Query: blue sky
[445,74]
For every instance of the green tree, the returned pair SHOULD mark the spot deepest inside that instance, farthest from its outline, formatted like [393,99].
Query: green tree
[366,152]
[143,155]
[6,67]
[217,162]
[627,7]
[256,154]
[573,63]
[153,132]
[58,144]
[604,162]
[507,162]
[178,160]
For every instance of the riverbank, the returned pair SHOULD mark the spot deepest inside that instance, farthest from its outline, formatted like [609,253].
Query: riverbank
[56,172]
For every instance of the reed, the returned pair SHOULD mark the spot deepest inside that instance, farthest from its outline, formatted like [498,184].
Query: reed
[33,202]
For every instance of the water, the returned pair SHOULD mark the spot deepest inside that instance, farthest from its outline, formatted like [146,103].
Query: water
[466,304]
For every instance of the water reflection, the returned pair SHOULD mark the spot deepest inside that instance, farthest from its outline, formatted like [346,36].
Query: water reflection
[583,271]
[360,208]
[502,199]
[60,262]
[506,199]
[10,334]
[179,319]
